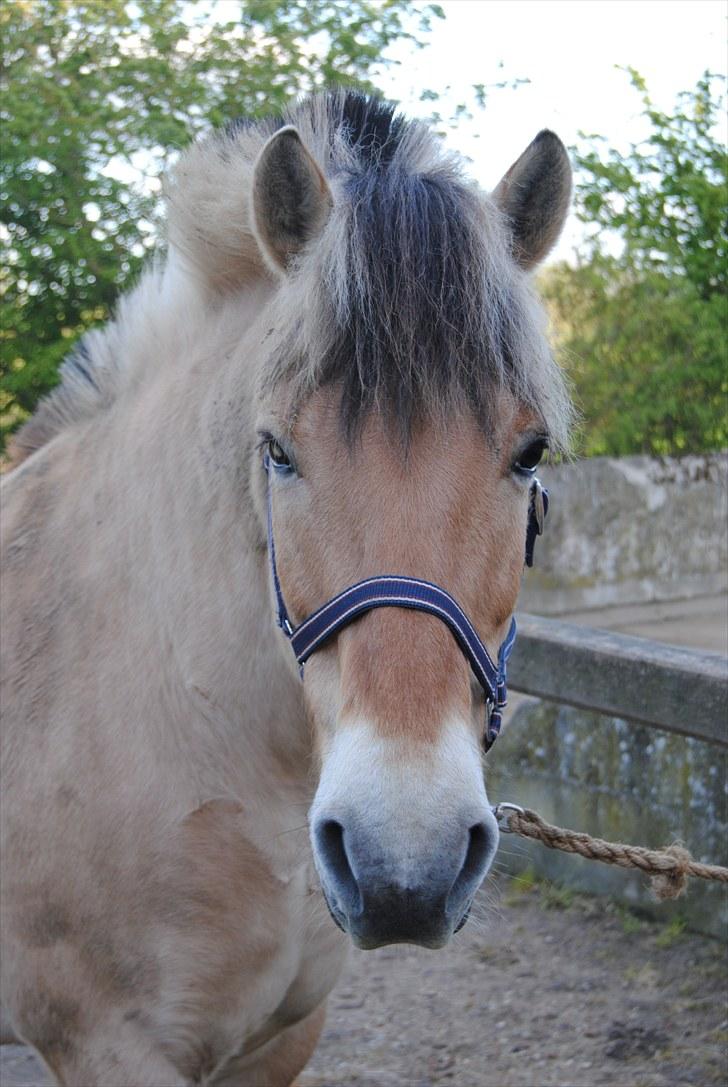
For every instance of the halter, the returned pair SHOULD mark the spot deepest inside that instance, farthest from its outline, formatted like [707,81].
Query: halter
[396,591]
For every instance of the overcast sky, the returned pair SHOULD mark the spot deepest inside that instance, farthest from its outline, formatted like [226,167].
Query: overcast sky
[570,50]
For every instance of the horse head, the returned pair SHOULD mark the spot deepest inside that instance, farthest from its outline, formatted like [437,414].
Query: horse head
[406,395]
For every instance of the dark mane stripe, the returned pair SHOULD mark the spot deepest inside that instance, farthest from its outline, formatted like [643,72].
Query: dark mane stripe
[79,360]
[435,309]
[372,126]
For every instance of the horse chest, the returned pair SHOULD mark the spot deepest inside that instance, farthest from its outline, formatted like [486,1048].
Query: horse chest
[260,1000]
[261,951]
[322,954]
[303,967]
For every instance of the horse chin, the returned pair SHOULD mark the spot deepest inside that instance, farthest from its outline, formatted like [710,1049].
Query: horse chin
[367,943]
[364,943]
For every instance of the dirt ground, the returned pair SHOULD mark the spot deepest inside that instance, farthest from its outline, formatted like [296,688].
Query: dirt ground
[541,988]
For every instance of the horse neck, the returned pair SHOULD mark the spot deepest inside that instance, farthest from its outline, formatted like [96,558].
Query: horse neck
[179,457]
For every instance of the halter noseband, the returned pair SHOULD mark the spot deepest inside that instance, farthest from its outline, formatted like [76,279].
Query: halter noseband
[396,591]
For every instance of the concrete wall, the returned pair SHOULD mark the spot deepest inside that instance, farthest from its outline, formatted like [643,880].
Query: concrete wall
[620,781]
[620,532]
[630,529]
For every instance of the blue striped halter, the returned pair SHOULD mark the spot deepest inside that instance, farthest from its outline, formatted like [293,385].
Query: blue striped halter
[396,591]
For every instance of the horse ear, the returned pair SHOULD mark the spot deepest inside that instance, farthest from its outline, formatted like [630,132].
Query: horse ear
[535,195]
[291,198]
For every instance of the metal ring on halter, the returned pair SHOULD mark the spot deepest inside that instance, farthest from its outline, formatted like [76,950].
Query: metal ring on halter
[500,811]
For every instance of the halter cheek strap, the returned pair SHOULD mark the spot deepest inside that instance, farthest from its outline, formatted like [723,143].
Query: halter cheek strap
[391,590]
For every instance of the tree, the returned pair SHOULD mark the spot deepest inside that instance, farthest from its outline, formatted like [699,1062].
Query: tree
[641,319]
[93,93]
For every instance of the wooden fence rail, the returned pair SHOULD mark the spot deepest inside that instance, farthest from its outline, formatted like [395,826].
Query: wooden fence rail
[680,690]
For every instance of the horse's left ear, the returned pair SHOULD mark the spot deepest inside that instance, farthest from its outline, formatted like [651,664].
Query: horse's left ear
[535,195]
[291,198]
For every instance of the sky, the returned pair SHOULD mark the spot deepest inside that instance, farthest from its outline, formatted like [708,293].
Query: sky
[570,51]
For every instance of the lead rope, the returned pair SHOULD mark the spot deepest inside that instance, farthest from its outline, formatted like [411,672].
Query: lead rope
[669,867]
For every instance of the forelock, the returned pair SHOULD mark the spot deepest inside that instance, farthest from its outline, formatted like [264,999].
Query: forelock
[411,300]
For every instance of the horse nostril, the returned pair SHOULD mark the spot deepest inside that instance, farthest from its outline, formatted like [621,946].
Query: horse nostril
[477,856]
[329,836]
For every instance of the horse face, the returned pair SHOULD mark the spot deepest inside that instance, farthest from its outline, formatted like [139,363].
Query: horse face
[411,270]
[401,828]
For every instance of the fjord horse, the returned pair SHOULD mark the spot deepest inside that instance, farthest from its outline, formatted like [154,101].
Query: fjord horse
[340,356]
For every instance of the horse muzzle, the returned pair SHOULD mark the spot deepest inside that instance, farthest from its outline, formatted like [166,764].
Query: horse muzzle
[379,896]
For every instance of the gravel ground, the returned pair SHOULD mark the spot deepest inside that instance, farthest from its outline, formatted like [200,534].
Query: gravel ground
[541,988]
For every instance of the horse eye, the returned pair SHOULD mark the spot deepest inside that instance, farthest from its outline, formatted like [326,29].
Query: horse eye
[278,456]
[530,457]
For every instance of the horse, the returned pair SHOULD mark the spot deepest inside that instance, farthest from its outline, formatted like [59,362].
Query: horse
[337,375]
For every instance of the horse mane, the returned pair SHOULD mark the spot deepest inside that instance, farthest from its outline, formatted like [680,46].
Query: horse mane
[410,298]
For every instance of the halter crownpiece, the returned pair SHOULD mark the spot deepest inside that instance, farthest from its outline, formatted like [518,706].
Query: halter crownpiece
[396,591]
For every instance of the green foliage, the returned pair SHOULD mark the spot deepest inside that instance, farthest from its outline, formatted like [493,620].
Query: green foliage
[554,897]
[641,320]
[672,932]
[630,922]
[95,93]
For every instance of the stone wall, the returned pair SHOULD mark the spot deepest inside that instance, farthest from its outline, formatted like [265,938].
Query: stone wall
[620,781]
[629,530]
[619,532]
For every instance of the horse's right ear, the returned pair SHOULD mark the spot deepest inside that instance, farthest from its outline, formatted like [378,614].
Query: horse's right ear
[291,198]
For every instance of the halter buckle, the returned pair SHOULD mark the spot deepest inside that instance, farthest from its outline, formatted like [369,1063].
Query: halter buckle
[539,509]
